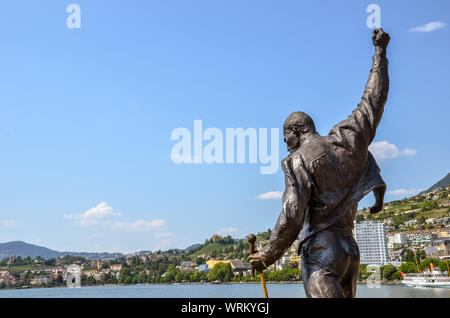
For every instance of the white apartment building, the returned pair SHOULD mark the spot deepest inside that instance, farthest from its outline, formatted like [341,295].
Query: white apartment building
[285,259]
[397,240]
[371,239]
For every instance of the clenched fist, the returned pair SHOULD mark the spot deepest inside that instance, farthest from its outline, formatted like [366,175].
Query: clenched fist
[256,262]
[380,39]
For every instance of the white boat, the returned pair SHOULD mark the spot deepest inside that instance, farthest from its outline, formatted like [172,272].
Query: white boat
[429,278]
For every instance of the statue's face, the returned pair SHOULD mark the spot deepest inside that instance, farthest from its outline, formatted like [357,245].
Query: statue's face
[291,139]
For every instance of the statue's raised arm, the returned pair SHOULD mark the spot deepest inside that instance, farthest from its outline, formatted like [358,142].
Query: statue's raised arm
[365,118]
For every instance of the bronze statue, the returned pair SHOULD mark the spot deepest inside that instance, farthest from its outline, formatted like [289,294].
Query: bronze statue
[325,177]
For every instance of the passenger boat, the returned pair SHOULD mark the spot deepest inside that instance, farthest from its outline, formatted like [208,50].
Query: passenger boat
[430,278]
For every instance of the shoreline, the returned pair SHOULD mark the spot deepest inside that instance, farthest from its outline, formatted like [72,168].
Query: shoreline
[193,283]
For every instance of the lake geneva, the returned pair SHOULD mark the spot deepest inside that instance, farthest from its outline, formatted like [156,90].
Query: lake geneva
[215,291]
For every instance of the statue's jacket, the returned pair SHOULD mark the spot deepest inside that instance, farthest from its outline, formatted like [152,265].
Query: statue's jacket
[327,175]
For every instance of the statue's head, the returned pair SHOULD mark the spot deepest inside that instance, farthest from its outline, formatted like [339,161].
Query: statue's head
[297,127]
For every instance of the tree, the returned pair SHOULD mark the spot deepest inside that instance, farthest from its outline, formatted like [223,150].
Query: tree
[198,276]
[396,276]
[443,265]
[59,280]
[363,274]
[415,257]
[388,271]
[124,276]
[170,274]
[222,272]
[425,264]
[421,255]
[408,267]
[284,275]
[50,262]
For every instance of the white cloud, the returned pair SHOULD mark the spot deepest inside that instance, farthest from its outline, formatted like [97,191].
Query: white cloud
[428,27]
[139,225]
[103,214]
[271,195]
[228,230]
[384,150]
[404,191]
[9,223]
[93,215]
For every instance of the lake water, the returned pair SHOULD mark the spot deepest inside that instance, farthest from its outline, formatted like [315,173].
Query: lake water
[216,291]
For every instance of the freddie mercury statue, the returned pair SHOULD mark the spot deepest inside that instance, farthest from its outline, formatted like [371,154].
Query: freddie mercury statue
[325,177]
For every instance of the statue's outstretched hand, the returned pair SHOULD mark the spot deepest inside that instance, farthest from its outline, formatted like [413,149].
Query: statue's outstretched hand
[380,38]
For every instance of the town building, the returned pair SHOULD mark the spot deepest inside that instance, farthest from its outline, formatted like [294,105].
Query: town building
[296,260]
[116,267]
[240,267]
[430,221]
[411,222]
[443,220]
[396,255]
[442,245]
[212,262]
[203,268]
[260,245]
[4,274]
[99,276]
[420,239]
[431,251]
[187,269]
[41,280]
[283,261]
[371,239]
[188,264]
[396,240]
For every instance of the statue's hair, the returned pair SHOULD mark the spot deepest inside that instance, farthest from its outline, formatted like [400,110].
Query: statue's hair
[300,122]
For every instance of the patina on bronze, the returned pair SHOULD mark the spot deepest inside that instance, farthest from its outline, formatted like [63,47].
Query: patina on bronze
[325,177]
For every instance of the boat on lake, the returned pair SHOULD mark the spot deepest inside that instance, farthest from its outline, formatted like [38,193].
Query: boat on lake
[430,278]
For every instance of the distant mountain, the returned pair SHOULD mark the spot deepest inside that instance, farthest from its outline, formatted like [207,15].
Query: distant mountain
[441,183]
[101,256]
[191,247]
[19,248]
[143,252]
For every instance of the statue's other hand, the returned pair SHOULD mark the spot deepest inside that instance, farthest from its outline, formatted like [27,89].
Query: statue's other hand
[376,208]
[380,38]
[256,263]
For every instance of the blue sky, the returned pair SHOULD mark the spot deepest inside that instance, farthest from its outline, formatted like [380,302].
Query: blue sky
[86,114]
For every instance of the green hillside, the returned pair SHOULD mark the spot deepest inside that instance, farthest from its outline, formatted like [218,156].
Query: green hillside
[224,247]
[419,207]
[211,248]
